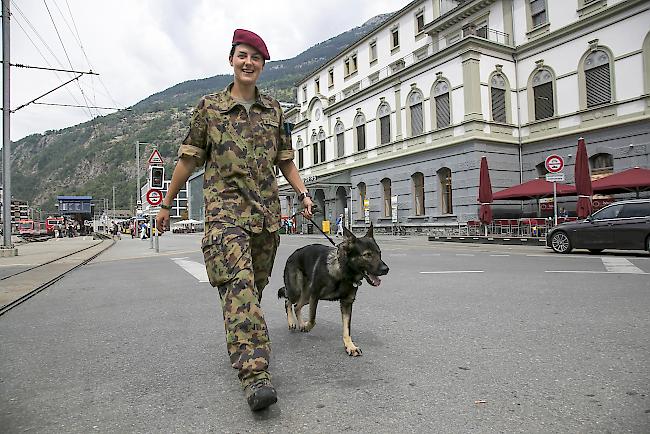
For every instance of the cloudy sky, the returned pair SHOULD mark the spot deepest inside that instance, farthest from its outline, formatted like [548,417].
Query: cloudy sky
[140,47]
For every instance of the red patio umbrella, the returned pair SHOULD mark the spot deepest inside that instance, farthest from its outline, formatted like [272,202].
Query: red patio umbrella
[583,181]
[533,189]
[485,193]
[636,179]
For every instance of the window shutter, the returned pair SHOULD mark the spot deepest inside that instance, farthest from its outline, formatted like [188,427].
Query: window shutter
[417,121]
[385,129]
[340,145]
[315,153]
[443,117]
[498,105]
[322,151]
[598,85]
[361,137]
[543,95]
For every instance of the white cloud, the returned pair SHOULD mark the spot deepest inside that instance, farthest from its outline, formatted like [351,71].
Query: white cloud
[145,46]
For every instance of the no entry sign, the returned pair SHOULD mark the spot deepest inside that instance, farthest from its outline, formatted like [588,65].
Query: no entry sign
[554,163]
[154,197]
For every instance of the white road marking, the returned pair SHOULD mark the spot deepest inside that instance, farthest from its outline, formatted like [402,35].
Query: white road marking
[431,254]
[592,272]
[464,254]
[620,265]
[497,256]
[451,272]
[196,269]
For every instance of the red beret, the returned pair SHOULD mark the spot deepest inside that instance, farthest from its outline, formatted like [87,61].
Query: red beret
[247,37]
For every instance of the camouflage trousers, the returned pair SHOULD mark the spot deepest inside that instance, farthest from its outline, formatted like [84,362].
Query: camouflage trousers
[239,264]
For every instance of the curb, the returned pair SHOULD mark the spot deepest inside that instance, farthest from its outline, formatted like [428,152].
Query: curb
[517,241]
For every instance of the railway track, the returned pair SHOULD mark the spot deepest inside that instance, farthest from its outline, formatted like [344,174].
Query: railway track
[17,287]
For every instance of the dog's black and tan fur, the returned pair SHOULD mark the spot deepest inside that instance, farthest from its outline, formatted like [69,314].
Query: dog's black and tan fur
[317,272]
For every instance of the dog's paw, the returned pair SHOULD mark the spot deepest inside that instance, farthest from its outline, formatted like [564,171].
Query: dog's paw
[353,351]
[307,326]
[292,326]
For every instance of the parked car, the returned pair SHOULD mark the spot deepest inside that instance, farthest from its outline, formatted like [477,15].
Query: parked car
[622,225]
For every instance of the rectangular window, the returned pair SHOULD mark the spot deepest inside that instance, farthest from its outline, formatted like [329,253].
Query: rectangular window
[538,12]
[317,85]
[346,69]
[301,159]
[322,150]
[315,153]
[340,145]
[384,124]
[373,51]
[330,78]
[354,63]
[417,121]
[443,116]
[498,105]
[394,41]
[304,94]
[598,85]
[543,95]
[420,22]
[361,137]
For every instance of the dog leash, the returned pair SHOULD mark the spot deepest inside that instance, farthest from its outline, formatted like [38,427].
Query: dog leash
[313,208]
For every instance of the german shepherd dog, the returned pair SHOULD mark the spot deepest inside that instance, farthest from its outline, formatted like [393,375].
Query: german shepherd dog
[317,272]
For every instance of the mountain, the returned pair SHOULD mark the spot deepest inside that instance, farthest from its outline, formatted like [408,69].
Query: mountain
[92,157]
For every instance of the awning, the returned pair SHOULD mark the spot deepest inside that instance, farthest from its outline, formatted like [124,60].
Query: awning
[534,189]
[632,180]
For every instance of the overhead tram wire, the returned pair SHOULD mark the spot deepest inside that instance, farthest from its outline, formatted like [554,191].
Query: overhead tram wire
[47,62]
[68,57]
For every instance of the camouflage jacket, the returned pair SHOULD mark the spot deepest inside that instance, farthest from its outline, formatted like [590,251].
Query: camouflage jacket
[239,150]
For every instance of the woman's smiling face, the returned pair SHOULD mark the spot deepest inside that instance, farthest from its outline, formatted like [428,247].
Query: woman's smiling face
[247,64]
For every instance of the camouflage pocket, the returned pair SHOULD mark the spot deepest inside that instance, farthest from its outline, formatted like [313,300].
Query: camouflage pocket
[224,250]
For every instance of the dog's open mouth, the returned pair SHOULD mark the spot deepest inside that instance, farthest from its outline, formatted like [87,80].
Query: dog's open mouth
[372,279]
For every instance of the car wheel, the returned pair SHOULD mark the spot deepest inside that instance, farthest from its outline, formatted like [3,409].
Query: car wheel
[595,251]
[560,242]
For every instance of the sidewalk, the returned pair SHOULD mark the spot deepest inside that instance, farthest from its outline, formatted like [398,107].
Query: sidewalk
[39,264]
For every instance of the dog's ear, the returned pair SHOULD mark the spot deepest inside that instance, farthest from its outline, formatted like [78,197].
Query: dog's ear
[348,234]
[369,234]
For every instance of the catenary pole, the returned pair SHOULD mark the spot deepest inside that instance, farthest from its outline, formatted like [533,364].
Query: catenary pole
[6,137]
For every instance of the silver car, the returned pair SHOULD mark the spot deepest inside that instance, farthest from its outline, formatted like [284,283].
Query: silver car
[622,225]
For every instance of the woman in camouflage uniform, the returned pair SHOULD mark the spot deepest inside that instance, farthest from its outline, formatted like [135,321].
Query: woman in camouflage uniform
[239,135]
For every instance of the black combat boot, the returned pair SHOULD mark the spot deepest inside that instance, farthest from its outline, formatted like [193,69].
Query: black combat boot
[260,394]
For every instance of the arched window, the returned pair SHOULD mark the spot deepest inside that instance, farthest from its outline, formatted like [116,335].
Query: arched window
[383,113]
[339,131]
[543,94]
[498,98]
[361,188]
[442,107]
[598,78]
[321,145]
[360,131]
[415,110]
[315,153]
[446,200]
[385,186]
[418,192]
[301,155]
[601,164]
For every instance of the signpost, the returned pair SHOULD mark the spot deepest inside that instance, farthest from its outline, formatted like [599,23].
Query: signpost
[154,195]
[366,210]
[554,164]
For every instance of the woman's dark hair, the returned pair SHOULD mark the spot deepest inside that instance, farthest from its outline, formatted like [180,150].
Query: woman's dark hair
[232,50]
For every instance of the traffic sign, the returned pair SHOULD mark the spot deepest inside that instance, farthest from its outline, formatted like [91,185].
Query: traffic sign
[554,163]
[155,158]
[555,177]
[154,197]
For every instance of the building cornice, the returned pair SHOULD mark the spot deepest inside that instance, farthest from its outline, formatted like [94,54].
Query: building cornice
[469,44]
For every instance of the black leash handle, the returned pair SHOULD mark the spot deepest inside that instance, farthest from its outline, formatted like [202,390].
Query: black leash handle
[313,208]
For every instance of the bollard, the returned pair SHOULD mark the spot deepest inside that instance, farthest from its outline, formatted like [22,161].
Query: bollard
[157,245]
[151,231]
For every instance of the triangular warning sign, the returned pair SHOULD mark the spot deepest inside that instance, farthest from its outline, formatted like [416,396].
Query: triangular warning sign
[155,157]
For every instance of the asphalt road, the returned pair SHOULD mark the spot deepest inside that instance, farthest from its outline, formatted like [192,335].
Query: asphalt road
[458,338]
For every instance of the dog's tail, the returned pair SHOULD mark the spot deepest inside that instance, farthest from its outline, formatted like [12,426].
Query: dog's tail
[282,292]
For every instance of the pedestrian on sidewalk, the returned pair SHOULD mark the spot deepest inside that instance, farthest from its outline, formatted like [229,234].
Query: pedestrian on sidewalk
[339,225]
[242,206]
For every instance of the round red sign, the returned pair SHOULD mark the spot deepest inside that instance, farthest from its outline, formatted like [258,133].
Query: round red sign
[154,197]
[554,163]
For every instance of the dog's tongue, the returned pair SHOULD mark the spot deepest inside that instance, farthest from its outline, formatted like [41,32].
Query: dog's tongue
[374,280]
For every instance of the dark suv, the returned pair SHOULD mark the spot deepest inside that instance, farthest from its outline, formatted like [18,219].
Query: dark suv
[622,225]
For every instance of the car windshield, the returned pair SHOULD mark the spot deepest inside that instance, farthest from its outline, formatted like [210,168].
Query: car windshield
[610,212]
